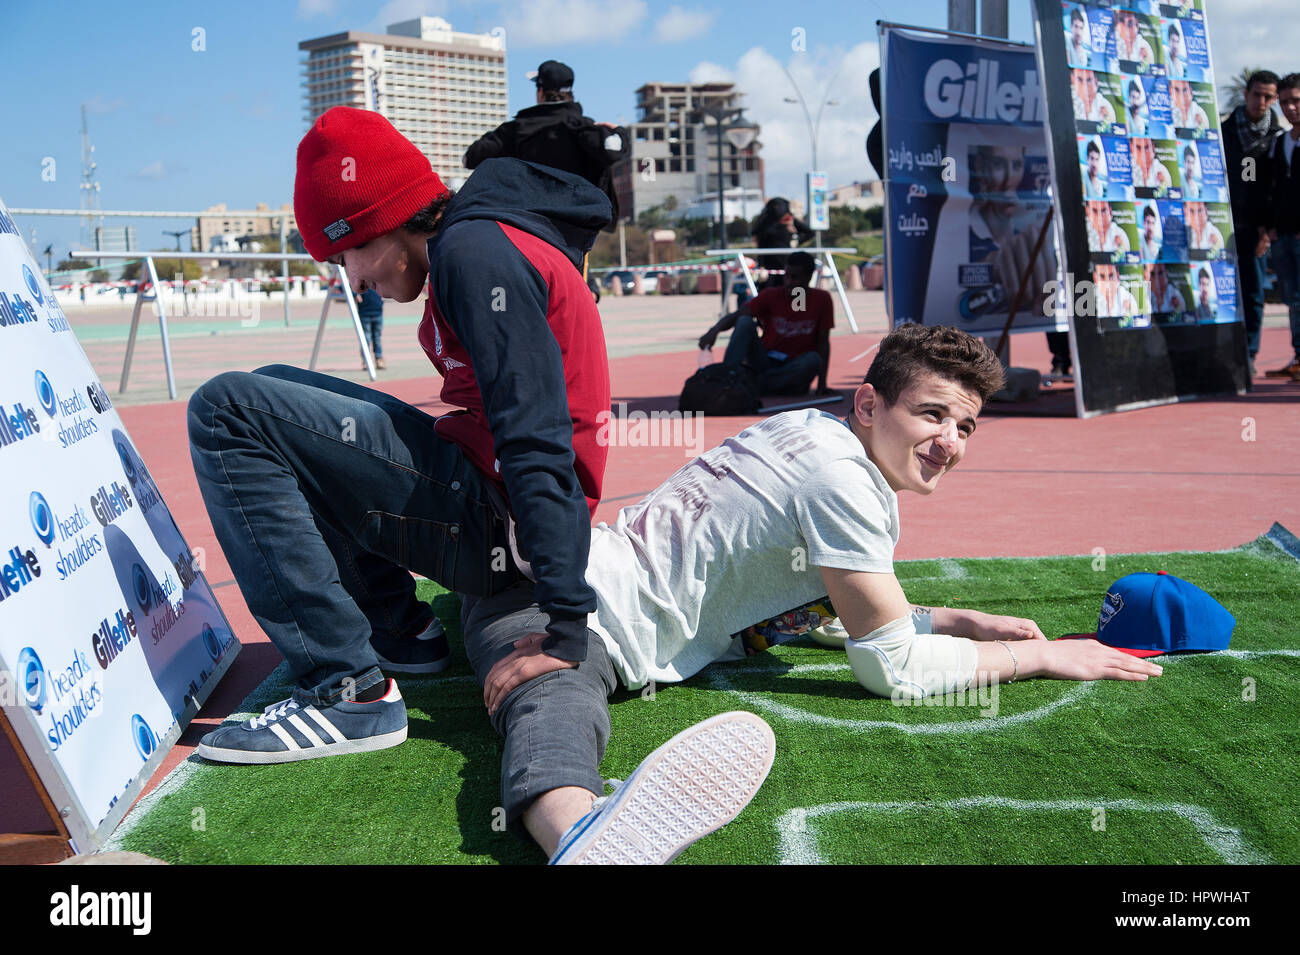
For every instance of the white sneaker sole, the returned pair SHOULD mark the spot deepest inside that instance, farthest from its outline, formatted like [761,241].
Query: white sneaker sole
[367,745]
[693,784]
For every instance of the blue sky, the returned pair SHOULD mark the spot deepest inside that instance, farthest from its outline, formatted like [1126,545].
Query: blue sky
[175,128]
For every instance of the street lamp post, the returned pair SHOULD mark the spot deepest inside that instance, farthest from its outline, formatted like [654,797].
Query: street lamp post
[814,128]
[728,119]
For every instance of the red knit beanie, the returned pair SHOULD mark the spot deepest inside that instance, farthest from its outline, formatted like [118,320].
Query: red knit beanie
[358,177]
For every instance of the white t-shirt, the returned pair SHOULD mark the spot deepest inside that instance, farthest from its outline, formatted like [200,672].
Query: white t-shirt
[1100,111]
[736,536]
[1157,175]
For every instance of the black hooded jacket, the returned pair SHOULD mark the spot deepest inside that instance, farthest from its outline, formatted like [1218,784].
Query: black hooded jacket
[556,135]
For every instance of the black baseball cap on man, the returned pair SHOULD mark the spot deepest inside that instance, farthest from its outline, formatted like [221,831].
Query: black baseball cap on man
[553,75]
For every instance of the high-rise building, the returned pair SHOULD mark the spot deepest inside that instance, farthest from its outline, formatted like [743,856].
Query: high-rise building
[441,89]
[675,153]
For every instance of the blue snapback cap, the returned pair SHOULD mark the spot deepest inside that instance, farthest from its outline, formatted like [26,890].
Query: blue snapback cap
[1149,614]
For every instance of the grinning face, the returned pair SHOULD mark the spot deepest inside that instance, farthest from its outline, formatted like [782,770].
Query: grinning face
[921,436]
[395,265]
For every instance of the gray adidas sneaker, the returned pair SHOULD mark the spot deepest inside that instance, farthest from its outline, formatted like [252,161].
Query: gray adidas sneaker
[692,785]
[287,731]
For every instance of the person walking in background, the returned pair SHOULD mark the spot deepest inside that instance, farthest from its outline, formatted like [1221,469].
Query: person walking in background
[1284,216]
[555,133]
[370,308]
[1249,133]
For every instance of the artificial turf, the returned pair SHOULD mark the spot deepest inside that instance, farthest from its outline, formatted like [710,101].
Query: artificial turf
[1196,766]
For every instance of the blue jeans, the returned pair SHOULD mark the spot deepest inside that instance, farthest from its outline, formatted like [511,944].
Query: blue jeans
[1250,272]
[321,492]
[372,326]
[793,376]
[1286,263]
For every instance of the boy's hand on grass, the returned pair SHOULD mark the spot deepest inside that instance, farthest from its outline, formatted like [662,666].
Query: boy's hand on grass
[1091,660]
[525,662]
[987,626]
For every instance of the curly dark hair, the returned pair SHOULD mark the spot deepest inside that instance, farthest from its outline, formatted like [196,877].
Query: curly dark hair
[912,350]
[427,219]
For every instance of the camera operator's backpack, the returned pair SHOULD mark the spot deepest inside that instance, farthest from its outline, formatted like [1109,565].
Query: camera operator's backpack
[721,389]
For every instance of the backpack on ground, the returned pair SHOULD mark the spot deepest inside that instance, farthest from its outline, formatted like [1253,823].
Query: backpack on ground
[721,389]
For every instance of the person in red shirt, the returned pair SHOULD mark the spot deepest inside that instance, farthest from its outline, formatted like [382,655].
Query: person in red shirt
[796,322]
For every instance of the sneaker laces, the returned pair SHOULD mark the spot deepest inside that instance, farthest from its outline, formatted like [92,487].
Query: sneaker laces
[272,713]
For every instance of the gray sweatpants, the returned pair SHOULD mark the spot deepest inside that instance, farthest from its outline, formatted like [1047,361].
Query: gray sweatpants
[555,726]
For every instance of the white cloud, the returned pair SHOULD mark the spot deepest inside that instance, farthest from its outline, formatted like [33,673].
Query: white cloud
[542,22]
[822,74]
[678,25]
[154,171]
[1251,33]
[315,8]
[707,72]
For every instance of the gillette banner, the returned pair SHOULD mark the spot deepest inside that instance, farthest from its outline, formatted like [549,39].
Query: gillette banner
[967,184]
[110,638]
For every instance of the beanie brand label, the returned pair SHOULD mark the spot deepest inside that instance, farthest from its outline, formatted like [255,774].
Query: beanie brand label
[337,230]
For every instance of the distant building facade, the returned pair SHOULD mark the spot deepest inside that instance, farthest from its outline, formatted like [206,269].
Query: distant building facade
[219,230]
[857,195]
[441,89]
[675,153]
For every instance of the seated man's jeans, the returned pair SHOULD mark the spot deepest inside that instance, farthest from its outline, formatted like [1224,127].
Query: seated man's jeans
[793,376]
[320,492]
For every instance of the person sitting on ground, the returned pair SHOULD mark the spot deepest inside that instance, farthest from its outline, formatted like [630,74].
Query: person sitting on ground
[682,574]
[796,321]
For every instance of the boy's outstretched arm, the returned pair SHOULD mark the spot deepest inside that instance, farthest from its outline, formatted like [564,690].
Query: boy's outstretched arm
[890,658]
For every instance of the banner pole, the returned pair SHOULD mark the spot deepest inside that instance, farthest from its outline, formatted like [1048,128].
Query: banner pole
[1024,279]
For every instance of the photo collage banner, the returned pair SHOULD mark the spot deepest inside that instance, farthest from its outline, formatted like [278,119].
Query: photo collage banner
[1155,192]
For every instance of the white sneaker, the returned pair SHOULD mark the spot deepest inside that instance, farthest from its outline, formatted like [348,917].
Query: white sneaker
[693,784]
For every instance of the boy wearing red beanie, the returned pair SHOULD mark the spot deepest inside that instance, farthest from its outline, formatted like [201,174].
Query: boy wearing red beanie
[324,494]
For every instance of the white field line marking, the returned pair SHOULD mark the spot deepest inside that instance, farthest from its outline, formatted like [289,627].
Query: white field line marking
[981,724]
[799,842]
[723,680]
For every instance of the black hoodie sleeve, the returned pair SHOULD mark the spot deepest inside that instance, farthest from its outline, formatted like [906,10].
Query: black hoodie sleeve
[490,145]
[496,303]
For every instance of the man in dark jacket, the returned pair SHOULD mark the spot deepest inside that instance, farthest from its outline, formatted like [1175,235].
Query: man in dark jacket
[324,495]
[1284,216]
[1249,133]
[555,133]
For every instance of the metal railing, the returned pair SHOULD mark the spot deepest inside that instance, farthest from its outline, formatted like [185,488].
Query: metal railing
[824,264]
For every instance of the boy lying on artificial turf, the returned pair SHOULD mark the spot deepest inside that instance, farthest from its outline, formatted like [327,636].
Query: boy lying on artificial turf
[720,545]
